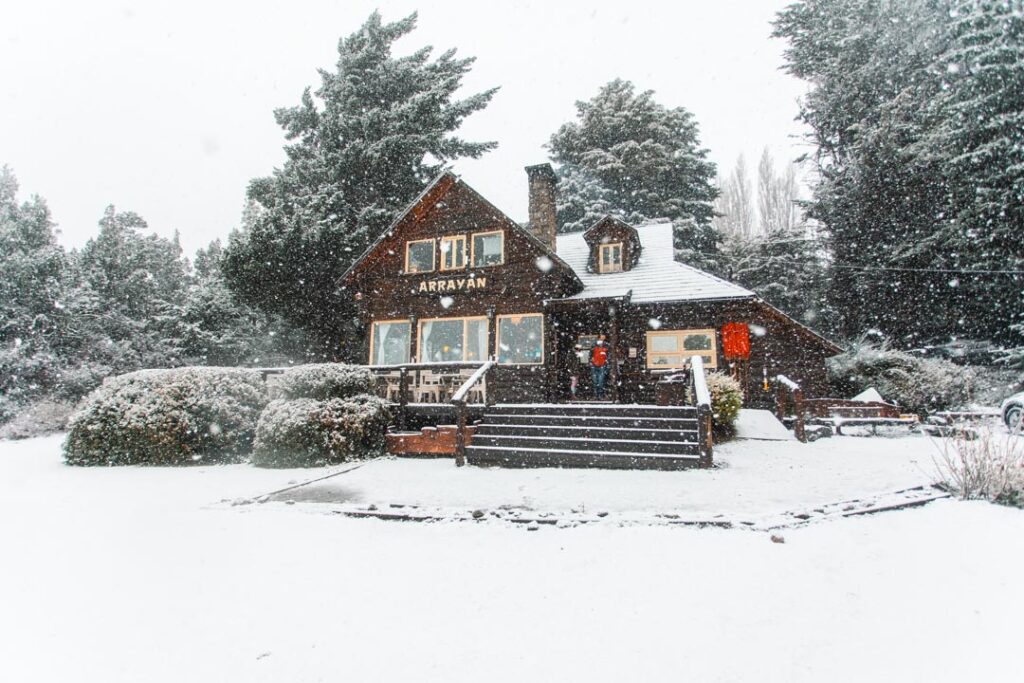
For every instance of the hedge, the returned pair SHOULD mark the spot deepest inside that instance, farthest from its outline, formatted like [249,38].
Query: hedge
[324,381]
[306,432]
[167,417]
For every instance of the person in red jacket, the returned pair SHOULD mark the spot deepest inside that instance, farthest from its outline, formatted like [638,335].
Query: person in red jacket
[599,365]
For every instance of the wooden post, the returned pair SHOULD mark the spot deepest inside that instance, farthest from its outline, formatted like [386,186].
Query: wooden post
[798,410]
[780,402]
[704,435]
[551,340]
[613,356]
[460,433]
[403,397]
[488,386]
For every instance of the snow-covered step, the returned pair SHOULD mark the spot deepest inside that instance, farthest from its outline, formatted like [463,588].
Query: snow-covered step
[549,457]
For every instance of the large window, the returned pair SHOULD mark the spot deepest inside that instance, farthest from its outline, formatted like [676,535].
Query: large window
[521,338]
[672,348]
[488,249]
[611,258]
[444,340]
[419,256]
[389,342]
[453,252]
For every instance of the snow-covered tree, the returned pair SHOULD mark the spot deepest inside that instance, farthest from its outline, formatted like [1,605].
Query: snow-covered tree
[644,160]
[361,146]
[734,207]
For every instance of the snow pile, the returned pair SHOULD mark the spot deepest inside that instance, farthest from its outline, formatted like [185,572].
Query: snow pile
[309,433]
[167,417]
[868,395]
[326,380]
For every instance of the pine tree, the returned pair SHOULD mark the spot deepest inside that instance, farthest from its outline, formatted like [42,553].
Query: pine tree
[639,158]
[361,148]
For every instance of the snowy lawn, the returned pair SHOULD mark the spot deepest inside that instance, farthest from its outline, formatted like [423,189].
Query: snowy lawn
[139,574]
[754,479]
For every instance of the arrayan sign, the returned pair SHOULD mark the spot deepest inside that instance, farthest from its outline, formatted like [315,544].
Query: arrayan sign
[450,285]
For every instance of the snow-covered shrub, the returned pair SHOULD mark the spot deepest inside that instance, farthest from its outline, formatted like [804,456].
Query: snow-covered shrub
[326,380]
[305,432]
[726,398]
[37,419]
[983,466]
[165,417]
[919,385]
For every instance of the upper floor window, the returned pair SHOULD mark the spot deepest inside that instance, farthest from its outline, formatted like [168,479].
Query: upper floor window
[453,252]
[419,256]
[488,248]
[610,258]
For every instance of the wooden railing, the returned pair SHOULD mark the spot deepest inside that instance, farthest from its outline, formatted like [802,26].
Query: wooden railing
[788,391]
[409,376]
[458,401]
[702,397]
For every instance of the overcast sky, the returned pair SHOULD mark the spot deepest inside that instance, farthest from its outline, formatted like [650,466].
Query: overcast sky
[166,108]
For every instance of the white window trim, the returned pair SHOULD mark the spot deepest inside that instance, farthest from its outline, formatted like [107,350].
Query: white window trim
[684,354]
[465,334]
[433,264]
[455,240]
[614,267]
[497,337]
[472,244]
[373,333]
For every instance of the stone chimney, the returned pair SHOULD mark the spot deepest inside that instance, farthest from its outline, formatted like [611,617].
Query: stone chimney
[542,203]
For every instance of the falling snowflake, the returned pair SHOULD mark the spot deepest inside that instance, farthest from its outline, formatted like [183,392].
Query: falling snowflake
[757,330]
[447,301]
[654,323]
[544,264]
[955,282]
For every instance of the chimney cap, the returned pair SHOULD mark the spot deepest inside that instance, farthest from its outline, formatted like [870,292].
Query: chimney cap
[540,170]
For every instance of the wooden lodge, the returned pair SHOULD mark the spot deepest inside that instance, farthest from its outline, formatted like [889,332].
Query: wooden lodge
[454,285]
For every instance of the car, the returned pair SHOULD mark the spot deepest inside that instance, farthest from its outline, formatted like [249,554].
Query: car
[1011,410]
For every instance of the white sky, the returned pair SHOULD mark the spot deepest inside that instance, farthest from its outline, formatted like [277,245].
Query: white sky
[166,108]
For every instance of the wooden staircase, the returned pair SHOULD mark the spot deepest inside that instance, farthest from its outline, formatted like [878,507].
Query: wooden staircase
[589,435]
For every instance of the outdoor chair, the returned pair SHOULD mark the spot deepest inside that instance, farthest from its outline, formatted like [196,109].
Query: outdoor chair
[428,386]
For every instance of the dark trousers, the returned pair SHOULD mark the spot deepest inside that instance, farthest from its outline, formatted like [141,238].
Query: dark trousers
[598,374]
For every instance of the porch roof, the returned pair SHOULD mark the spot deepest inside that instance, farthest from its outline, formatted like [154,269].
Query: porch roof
[656,277]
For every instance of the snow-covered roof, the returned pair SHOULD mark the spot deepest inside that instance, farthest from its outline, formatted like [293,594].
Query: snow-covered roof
[656,277]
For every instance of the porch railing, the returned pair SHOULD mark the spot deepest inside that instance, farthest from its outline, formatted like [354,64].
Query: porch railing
[702,397]
[459,403]
[434,383]
[788,391]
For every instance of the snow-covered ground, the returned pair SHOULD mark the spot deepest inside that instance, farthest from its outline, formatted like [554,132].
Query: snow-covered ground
[143,574]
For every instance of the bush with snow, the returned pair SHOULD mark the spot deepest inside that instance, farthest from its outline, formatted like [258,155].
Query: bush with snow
[726,398]
[983,466]
[37,419]
[166,417]
[324,381]
[306,432]
[919,385]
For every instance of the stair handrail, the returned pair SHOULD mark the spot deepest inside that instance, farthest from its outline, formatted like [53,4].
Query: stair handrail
[702,396]
[783,385]
[458,402]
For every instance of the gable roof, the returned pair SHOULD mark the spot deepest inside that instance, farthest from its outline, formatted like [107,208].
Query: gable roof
[657,276]
[431,195]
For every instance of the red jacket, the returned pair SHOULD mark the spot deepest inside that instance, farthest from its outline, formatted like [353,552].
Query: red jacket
[599,355]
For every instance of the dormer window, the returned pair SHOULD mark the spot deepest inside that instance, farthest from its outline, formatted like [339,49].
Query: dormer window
[419,256]
[453,252]
[610,258]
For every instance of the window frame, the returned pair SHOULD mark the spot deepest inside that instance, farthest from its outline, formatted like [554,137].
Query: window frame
[465,335]
[454,239]
[497,336]
[472,248]
[373,338]
[614,267]
[433,264]
[683,353]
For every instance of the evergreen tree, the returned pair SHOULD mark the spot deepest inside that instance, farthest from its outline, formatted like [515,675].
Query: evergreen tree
[361,148]
[643,160]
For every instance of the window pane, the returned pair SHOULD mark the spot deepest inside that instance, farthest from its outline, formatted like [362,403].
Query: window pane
[521,339]
[668,361]
[421,256]
[441,341]
[487,249]
[476,339]
[390,343]
[453,253]
[697,342]
[664,343]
